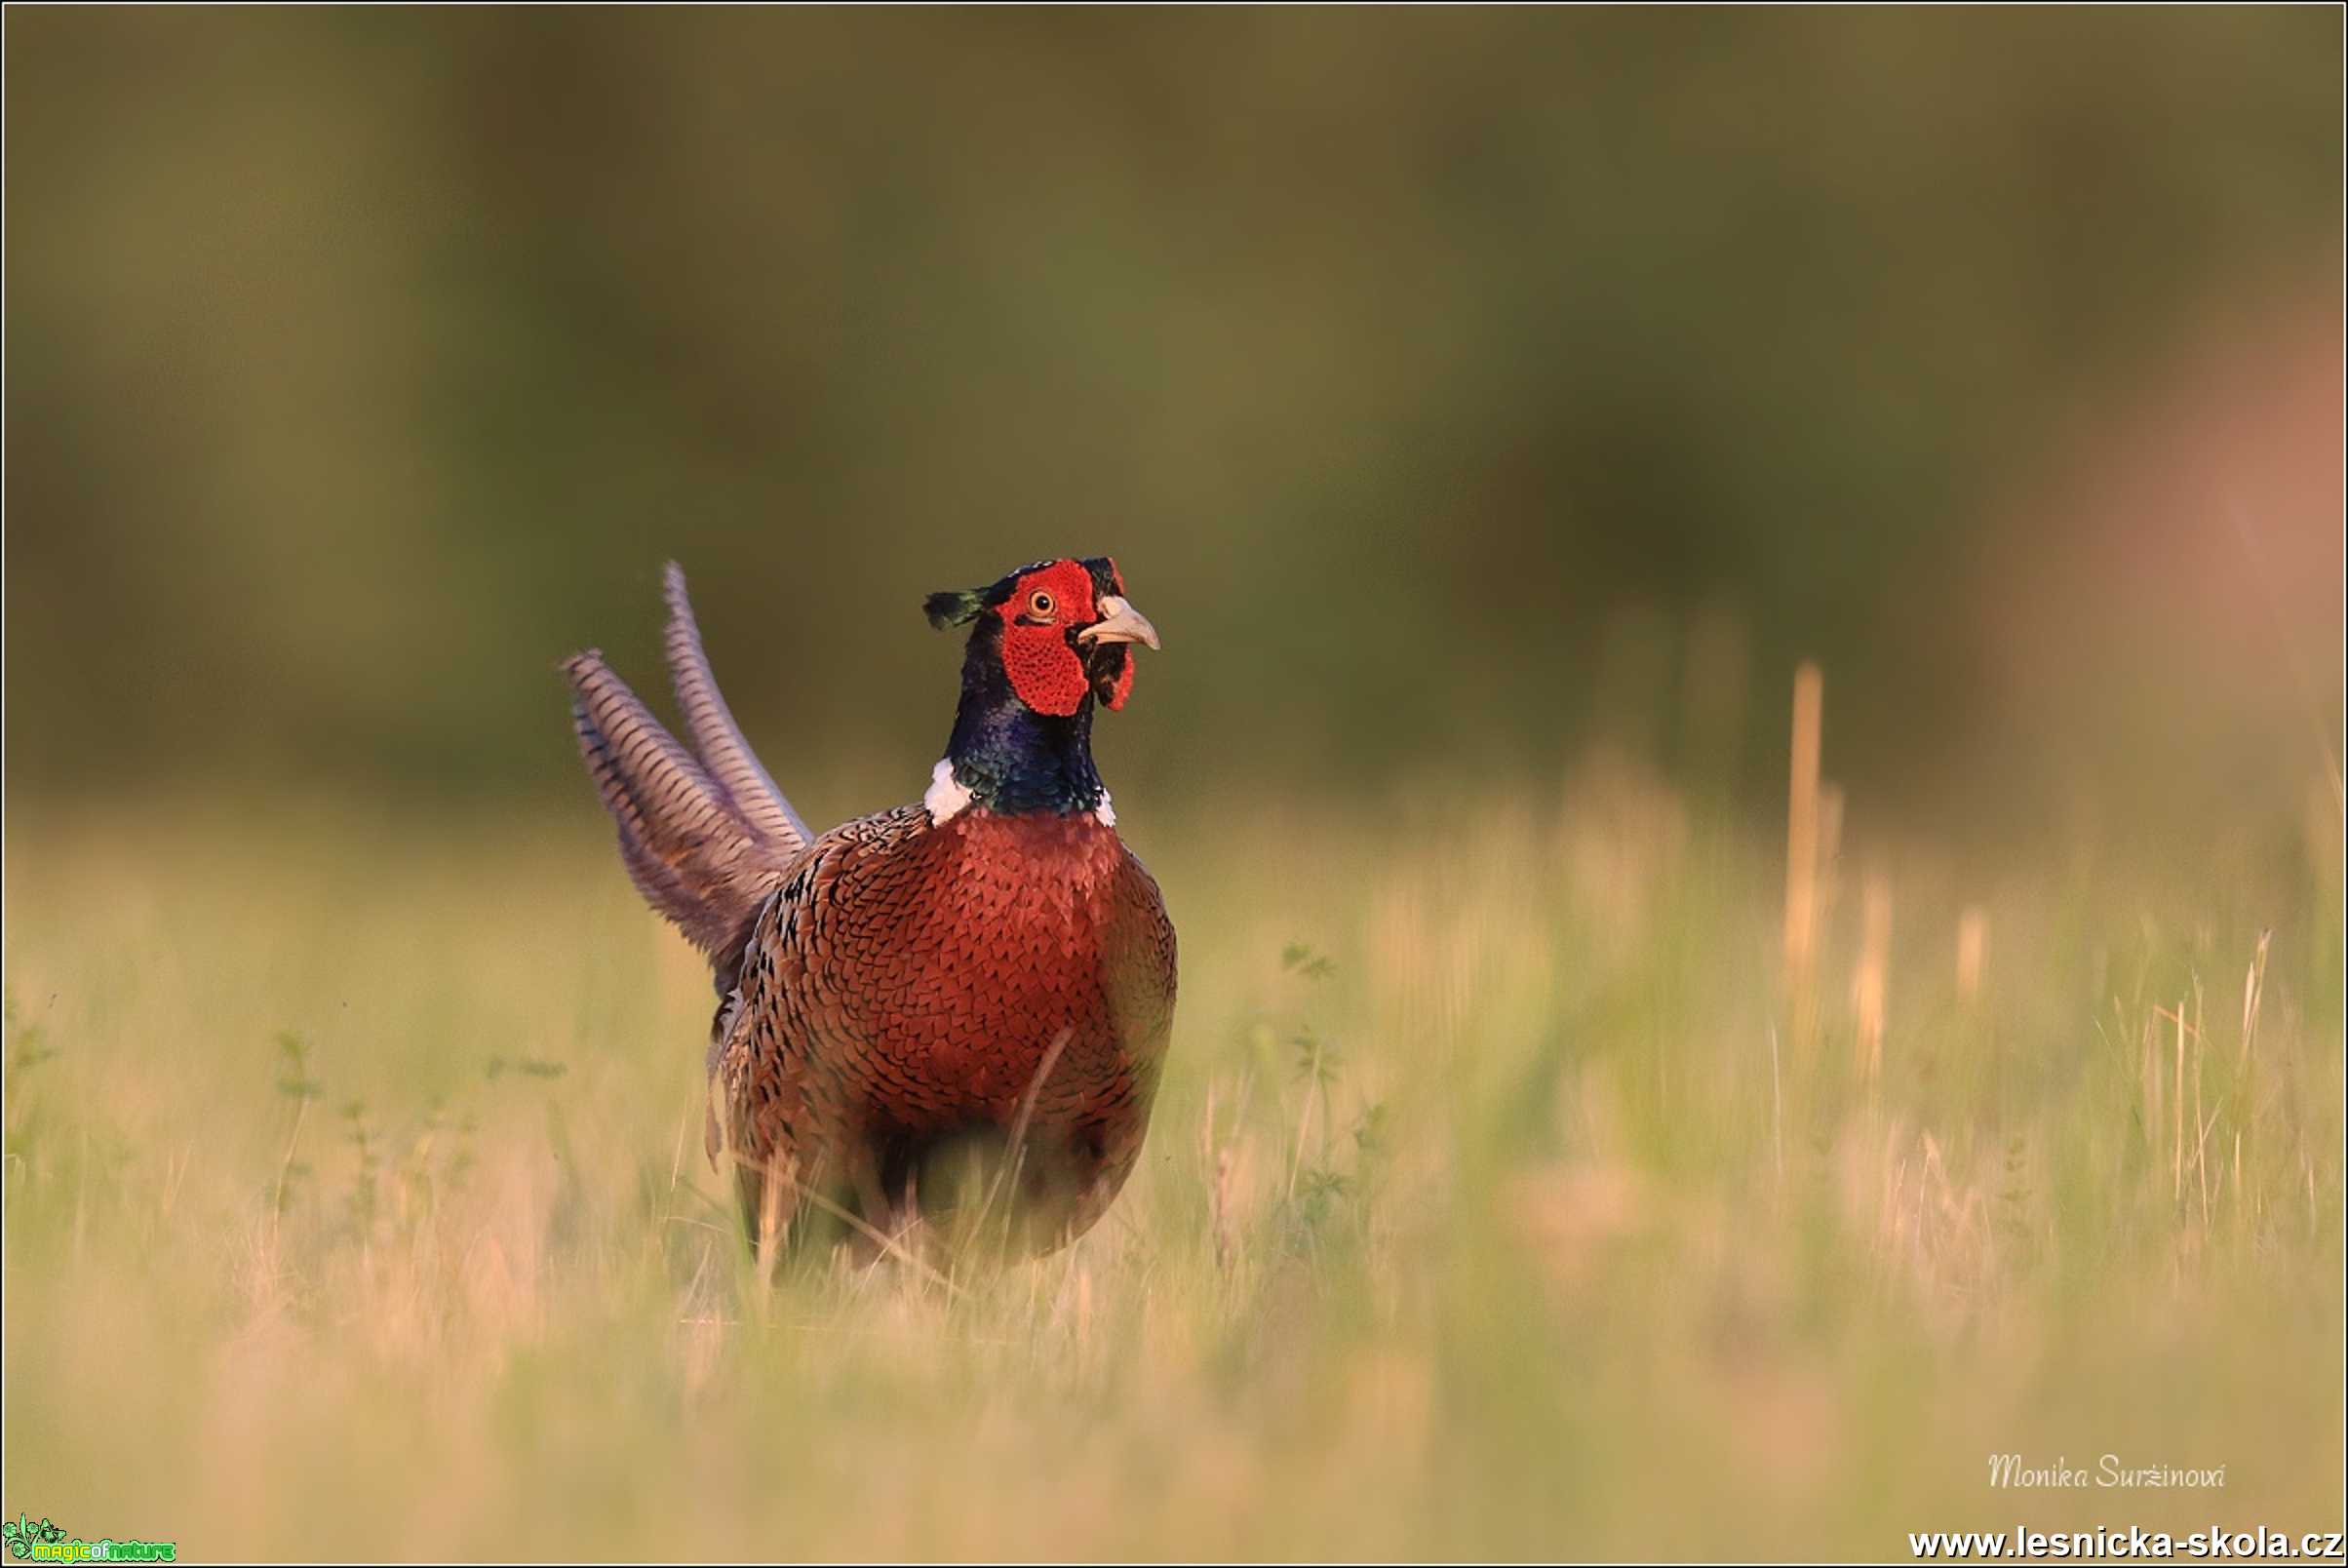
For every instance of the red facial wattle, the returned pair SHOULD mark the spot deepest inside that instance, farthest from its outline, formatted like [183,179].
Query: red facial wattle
[1045,672]
[1121,685]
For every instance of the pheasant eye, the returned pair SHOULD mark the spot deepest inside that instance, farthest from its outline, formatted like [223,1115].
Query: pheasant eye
[1039,603]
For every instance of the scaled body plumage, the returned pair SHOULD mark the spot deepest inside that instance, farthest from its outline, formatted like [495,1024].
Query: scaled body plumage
[990,972]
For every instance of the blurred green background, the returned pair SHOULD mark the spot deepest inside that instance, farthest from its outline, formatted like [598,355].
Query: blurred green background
[1454,388]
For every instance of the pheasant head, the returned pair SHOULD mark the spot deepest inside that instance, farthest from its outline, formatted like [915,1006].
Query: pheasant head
[1047,643]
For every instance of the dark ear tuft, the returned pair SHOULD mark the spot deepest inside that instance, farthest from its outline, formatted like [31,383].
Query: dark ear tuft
[952,608]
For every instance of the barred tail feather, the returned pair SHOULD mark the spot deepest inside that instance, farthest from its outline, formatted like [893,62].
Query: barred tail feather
[691,855]
[724,751]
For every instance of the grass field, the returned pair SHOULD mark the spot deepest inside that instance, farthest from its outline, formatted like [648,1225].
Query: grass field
[1499,1201]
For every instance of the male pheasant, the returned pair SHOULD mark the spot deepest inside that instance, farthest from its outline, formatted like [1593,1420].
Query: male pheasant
[989,973]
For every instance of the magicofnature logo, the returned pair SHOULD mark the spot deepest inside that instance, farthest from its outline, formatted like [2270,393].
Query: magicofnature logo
[42,1541]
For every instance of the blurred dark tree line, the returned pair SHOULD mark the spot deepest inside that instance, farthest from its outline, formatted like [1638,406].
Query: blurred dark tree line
[360,363]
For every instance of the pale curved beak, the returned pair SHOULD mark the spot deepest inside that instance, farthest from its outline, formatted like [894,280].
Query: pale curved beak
[1120,622]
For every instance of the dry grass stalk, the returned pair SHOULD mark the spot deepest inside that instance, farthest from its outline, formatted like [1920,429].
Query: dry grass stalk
[2201,1152]
[771,1225]
[2253,993]
[2178,1111]
[1802,842]
[2200,1128]
[1015,1153]
[1227,1245]
[1868,979]
[779,1180]
[1776,1112]
[1830,856]
[1972,950]
[285,1167]
[1304,1119]
[1214,1155]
